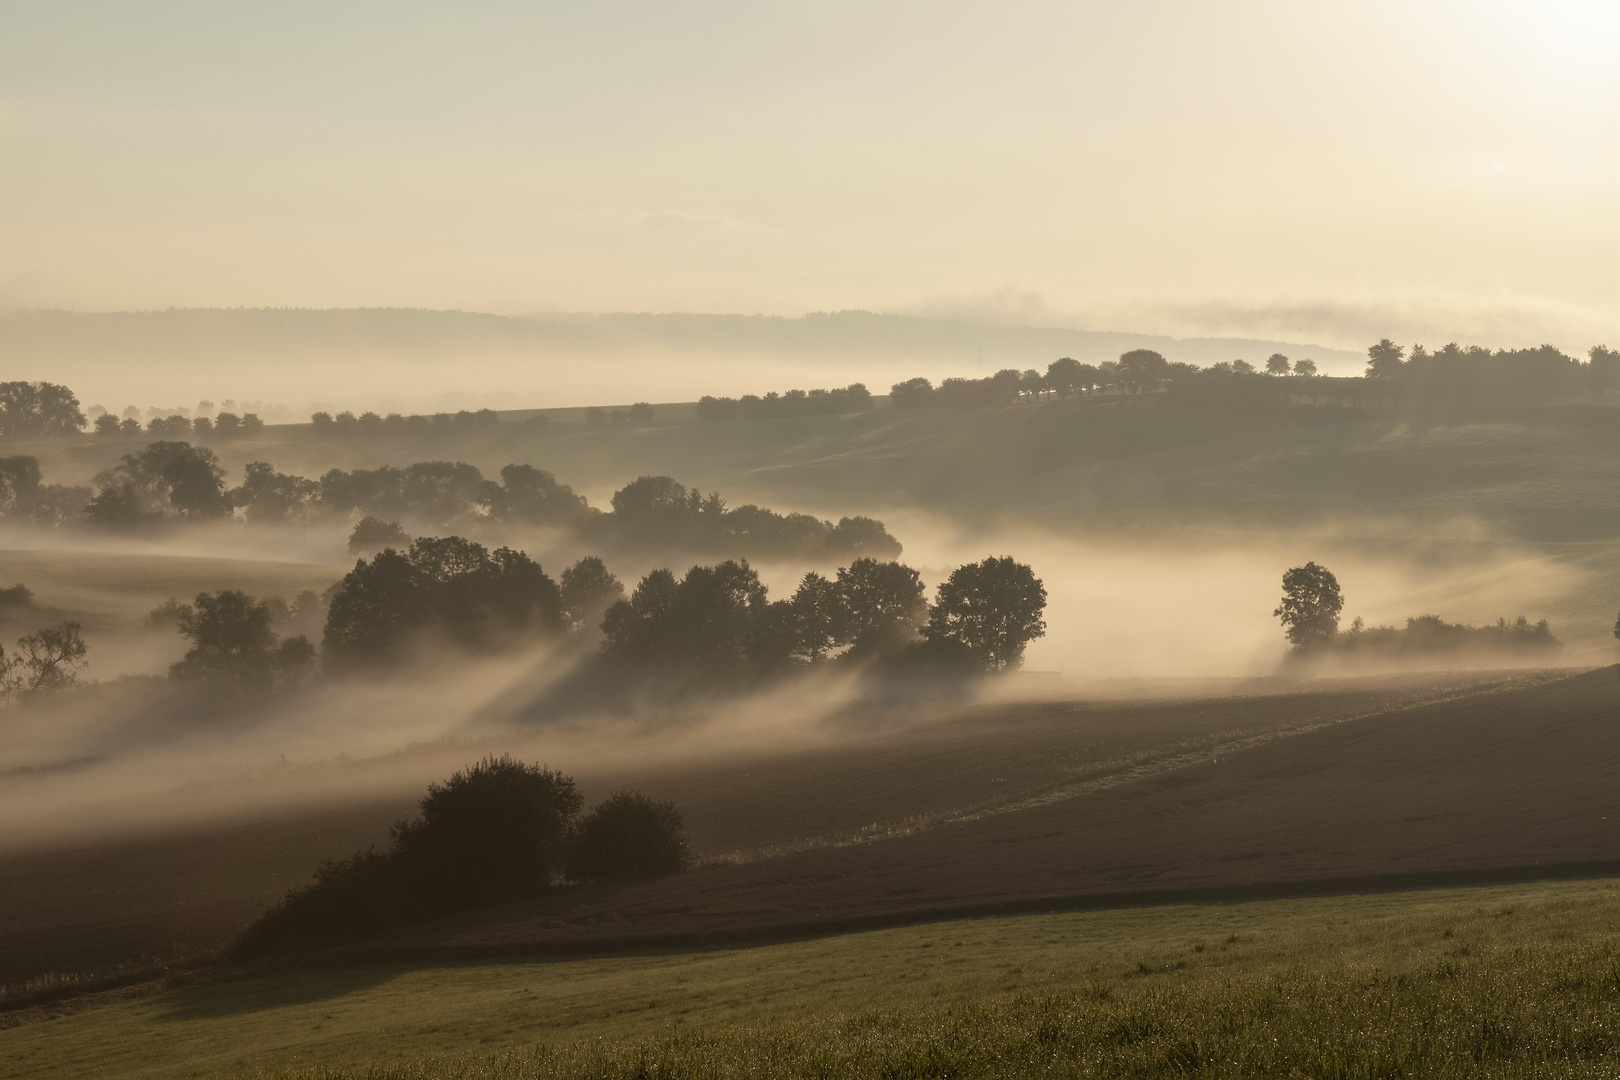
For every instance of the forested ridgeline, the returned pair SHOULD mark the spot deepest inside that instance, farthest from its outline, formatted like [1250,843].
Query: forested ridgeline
[1393,376]
[171,483]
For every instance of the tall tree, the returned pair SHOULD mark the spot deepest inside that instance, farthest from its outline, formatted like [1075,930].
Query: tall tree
[993,608]
[818,617]
[1385,359]
[883,605]
[1310,607]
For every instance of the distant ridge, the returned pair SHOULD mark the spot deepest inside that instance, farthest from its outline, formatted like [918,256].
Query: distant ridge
[294,360]
[410,333]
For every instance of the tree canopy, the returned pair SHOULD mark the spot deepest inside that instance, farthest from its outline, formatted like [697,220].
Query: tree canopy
[475,598]
[1310,607]
[992,608]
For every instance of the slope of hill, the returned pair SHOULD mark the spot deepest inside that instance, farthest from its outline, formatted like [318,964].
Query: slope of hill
[999,803]
[1522,777]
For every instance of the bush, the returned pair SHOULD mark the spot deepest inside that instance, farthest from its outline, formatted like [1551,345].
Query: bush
[492,833]
[349,899]
[629,836]
[495,832]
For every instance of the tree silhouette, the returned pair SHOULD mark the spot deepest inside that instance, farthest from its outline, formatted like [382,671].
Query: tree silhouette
[641,626]
[882,606]
[167,479]
[372,534]
[269,496]
[818,617]
[588,590]
[1277,364]
[477,598]
[992,608]
[1384,360]
[38,408]
[1310,606]
[629,836]
[494,832]
[1142,370]
[231,641]
[1306,367]
[46,660]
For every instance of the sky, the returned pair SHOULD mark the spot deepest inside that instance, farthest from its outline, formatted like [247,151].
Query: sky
[1325,171]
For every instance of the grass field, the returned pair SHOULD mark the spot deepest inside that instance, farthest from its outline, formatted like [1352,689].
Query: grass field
[1491,980]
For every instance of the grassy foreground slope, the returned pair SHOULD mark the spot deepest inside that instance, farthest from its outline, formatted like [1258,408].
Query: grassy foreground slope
[1505,981]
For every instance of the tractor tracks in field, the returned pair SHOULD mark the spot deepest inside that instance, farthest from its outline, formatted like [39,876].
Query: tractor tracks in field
[1123,771]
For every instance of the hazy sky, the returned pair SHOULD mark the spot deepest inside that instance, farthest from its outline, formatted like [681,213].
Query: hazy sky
[1316,171]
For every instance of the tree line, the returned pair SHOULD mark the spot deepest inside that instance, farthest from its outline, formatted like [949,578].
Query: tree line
[176,426]
[1312,602]
[1453,372]
[721,618]
[175,481]
[496,832]
[718,620]
[852,398]
[1473,371]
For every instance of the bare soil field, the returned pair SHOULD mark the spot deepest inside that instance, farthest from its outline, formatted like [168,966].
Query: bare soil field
[1510,777]
[896,814]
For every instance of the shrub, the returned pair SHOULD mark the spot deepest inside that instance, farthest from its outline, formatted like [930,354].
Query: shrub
[629,836]
[349,899]
[495,832]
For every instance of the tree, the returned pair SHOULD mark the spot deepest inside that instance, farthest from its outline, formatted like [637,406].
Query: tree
[882,605]
[912,394]
[853,537]
[708,618]
[1142,370]
[641,626]
[167,479]
[1385,359]
[1277,364]
[106,424]
[992,608]
[1305,367]
[533,495]
[270,496]
[818,617]
[1310,606]
[372,534]
[629,836]
[588,590]
[20,478]
[47,660]
[232,644]
[477,598]
[38,408]
[496,831]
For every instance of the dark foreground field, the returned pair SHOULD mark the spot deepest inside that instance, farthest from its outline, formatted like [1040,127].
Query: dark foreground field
[997,808]
[1494,778]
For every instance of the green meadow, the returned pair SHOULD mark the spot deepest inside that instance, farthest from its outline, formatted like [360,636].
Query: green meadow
[1503,981]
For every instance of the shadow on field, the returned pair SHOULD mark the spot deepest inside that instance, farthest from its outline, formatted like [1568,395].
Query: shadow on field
[269,992]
